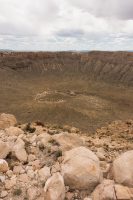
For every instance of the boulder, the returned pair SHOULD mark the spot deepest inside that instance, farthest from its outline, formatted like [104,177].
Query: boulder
[123,192]
[3,166]
[68,141]
[104,191]
[122,170]
[19,150]
[80,169]
[108,190]
[7,120]
[54,188]
[4,149]
[13,131]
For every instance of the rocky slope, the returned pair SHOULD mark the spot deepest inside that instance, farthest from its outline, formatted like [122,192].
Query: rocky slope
[49,163]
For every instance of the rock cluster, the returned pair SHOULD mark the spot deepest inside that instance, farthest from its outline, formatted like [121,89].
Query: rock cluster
[38,162]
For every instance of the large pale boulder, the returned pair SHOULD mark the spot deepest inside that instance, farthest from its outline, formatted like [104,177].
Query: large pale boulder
[123,192]
[13,131]
[4,149]
[68,141]
[104,191]
[108,190]
[54,188]
[122,169]
[7,120]
[80,169]
[19,150]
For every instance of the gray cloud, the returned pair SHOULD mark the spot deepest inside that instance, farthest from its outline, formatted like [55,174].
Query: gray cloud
[74,33]
[121,9]
[67,24]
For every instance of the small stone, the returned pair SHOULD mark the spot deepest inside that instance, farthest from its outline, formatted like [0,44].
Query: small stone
[2,178]
[7,120]
[14,131]
[4,149]
[33,193]
[44,174]
[3,166]
[31,157]
[122,192]
[54,188]
[19,150]
[101,154]
[36,164]
[4,194]
[23,178]
[30,173]
[17,169]
[10,183]
[56,168]
[9,173]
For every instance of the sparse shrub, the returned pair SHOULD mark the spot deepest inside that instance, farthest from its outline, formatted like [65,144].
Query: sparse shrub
[58,154]
[39,123]
[41,147]
[17,192]
[30,129]
[26,198]
[48,149]
[54,142]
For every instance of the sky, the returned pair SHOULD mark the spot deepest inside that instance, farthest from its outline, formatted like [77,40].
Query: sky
[61,25]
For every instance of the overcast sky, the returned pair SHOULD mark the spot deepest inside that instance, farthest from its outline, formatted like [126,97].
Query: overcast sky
[66,24]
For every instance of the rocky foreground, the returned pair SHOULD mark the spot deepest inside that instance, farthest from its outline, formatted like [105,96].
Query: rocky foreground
[41,162]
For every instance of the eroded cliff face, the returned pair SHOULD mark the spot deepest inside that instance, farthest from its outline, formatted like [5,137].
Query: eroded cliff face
[111,67]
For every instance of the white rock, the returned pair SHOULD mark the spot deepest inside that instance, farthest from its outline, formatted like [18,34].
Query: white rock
[31,157]
[2,178]
[33,193]
[9,173]
[54,188]
[10,183]
[4,193]
[44,174]
[44,138]
[13,131]
[108,190]
[122,169]
[100,154]
[104,191]
[19,150]
[3,166]
[17,169]
[7,120]
[80,169]
[4,149]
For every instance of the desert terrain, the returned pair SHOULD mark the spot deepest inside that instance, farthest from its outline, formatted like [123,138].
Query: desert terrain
[66,128]
[81,89]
